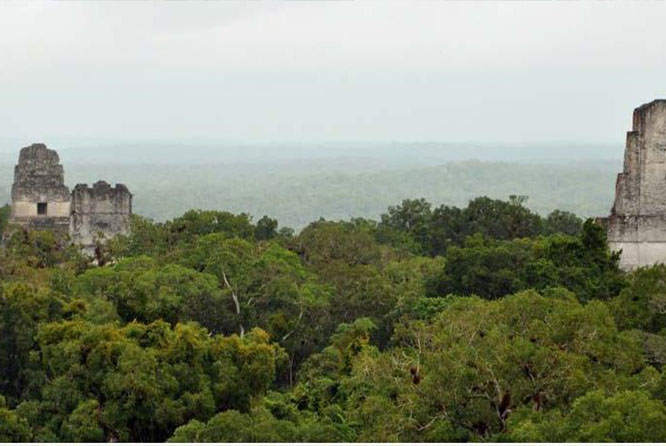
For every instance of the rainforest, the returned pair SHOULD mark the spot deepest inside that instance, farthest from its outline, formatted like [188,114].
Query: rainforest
[487,322]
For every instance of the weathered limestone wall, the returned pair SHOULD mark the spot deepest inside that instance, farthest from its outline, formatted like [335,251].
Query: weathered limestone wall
[39,178]
[41,200]
[639,254]
[100,212]
[28,209]
[637,224]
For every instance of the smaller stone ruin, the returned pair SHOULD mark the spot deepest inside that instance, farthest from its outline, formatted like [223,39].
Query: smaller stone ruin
[41,200]
[100,209]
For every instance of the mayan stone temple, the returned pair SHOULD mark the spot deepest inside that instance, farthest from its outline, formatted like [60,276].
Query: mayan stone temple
[41,200]
[637,223]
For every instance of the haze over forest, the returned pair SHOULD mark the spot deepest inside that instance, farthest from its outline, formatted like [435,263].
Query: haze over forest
[298,184]
[270,109]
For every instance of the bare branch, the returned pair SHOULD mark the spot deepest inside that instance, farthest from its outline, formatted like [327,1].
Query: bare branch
[300,315]
[236,302]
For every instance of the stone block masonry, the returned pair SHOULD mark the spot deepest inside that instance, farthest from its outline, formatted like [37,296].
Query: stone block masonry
[637,223]
[100,209]
[41,200]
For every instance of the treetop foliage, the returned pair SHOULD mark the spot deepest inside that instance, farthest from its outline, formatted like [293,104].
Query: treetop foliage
[483,323]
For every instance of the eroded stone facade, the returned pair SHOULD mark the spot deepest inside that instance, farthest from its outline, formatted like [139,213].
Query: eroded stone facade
[637,223]
[40,199]
[100,209]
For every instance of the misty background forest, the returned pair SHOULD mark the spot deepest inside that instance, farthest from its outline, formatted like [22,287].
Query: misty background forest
[299,183]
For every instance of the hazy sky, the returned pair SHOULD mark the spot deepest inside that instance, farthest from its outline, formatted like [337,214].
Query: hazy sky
[329,71]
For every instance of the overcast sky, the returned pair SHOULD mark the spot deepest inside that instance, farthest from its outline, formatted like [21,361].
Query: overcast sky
[329,71]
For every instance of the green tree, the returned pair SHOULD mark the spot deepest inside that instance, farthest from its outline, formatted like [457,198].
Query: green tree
[463,375]
[268,287]
[642,304]
[83,425]
[563,222]
[145,238]
[493,268]
[266,228]
[484,267]
[139,382]
[13,428]
[22,308]
[4,217]
[628,416]
[197,223]
[139,289]
[500,219]
[347,257]
[412,217]
[26,251]
[232,426]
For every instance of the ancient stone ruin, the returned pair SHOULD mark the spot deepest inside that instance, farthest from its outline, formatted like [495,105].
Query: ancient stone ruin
[637,223]
[41,200]
[99,209]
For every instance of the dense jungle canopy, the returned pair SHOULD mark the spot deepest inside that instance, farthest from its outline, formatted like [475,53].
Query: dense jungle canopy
[486,322]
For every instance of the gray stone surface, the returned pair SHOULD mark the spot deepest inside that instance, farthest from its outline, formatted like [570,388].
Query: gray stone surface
[99,211]
[39,174]
[39,178]
[40,199]
[637,223]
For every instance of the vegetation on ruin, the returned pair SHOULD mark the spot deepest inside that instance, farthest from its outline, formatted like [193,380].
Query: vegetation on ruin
[4,217]
[482,323]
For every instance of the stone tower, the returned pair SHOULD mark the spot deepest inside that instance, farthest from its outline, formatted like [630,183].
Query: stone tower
[637,223]
[40,198]
[100,209]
